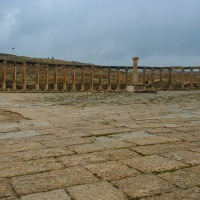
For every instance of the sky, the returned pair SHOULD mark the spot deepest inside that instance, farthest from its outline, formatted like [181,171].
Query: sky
[104,32]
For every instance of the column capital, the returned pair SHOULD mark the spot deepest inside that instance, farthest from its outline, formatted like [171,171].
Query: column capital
[135,58]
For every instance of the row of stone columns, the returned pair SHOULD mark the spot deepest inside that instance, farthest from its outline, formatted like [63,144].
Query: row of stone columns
[109,88]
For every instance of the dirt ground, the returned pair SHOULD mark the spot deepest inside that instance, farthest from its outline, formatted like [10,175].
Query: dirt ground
[101,146]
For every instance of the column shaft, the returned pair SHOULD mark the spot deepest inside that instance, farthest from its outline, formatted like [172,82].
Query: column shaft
[14,78]
[109,78]
[170,79]
[126,78]
[135,70]
[24,77]
[46,87]
[73,79]
[37,87]
[161,79]
[118,79]
[152,79]
[55,78]
[191,79]
[4,76]
[144,78]
[91,79]
[182,78]
[100,78]
[82,79]
[64,78]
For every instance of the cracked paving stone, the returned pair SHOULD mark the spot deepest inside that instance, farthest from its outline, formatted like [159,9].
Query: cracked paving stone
[183,178]
[152,140]
[35,154]
[59,194]
[10,198]
[143,185]
[192,194]
[96,191]
[111,170]
[188,157]
[88,148]
[96,157]
[6,189]
[52,180]
[154,163]
[28,167]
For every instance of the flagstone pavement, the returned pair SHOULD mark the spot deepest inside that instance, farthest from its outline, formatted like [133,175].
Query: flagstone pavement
[100,146]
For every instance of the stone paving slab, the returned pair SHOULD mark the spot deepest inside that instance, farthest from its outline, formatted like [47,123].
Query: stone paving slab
[59,194]
[189,194]
[19,134]
[143,185]
[191,158]
[88,148]
[152,140]
[96,191]
[183,178]
[65,142]
[20,147]
[6,189]
[164,148]
[96,157]
[111,170]
[52,180]
[35,154]
[28,167]
[154,163]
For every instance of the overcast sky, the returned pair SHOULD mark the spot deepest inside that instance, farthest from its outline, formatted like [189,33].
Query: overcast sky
[105,32]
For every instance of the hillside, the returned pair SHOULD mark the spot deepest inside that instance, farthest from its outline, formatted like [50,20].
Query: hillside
[16,58]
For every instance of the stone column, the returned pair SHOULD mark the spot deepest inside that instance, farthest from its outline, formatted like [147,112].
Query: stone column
[46,87]
[91,79]
[82,79]
[152,79]
[55,78]
[135,70]
[118,79]
[126,78]
[182,78]
[109,79]
[191,79]
[4,76]
[161,80]
[14,77]
[100,78]
[144,78]
[64,79]
[73,79]
[24,77]
[37,87]
[170,79]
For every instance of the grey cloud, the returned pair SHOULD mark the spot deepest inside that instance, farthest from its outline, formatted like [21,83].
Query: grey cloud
[108,32]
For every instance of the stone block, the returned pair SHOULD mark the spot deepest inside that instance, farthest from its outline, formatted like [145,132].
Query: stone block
[96,191]
[6,188]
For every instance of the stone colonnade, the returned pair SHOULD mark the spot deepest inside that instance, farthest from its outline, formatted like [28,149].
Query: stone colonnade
[122,77]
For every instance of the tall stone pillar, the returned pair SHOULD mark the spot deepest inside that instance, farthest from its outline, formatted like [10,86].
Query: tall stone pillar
[4,76]
[100,78]
[37,78]
[135,70]
[144,78]
[126,79]
[82,79]
[161,78]
[55,78]
[118,79]
[91,79]
[109,79]
[170,79]
[152,79]
[73,79]
[46,87]
[14,77]
[182,78]
[191,79]
[24,77]
[64,79]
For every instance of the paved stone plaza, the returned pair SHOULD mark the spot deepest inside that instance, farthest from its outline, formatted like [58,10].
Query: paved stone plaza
[101,146]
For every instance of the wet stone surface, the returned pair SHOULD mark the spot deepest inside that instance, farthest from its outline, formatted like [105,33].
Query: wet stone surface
[111,146]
